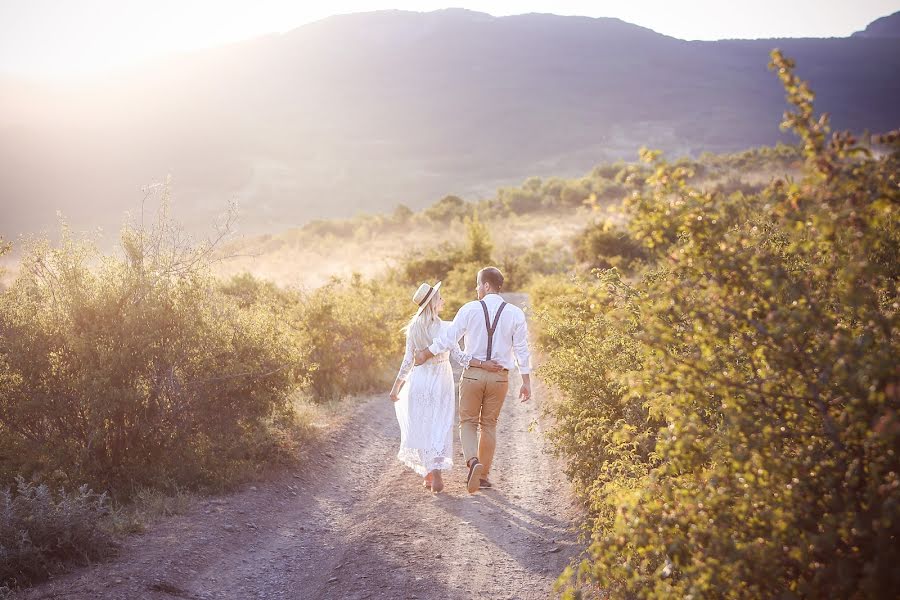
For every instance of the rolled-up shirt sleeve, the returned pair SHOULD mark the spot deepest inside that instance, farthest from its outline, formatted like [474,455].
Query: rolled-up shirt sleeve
[449,338]
[520,346]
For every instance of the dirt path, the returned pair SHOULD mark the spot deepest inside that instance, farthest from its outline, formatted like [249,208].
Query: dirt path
[357,524]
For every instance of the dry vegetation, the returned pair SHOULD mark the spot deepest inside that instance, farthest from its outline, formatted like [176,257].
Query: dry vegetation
[540,215]
[168,368]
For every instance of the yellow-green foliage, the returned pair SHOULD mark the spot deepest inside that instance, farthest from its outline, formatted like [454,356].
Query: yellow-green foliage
[142,371]
[731,417]
[455,265]
[349,331]
[603,245]
[353,333]
[135,370]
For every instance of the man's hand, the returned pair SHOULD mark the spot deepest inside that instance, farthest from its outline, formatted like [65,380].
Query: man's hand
[525,391]
[491,365]
[422,356]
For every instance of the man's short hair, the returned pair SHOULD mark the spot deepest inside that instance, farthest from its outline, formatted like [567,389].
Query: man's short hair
[492,276]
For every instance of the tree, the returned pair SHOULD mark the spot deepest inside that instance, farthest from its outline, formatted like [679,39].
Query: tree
[480,246]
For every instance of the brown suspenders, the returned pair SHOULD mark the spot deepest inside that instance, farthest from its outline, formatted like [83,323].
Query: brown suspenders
[491,328]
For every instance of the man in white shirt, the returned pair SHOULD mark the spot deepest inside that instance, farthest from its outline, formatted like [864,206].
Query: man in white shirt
[496,335]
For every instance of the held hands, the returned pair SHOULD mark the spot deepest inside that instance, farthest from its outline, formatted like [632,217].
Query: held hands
[422,356]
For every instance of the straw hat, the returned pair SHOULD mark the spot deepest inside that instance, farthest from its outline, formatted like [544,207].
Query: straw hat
[424,295]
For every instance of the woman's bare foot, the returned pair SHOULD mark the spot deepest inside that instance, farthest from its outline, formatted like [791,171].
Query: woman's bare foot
[427,482]
[437,482]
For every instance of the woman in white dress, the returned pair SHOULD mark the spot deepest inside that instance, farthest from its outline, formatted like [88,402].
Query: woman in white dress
[424,397]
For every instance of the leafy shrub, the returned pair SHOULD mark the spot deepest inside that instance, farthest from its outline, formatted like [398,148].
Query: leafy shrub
[447,209]
[352,332]
[479,247]
[604,245]
[40,529]
[459,281]
[731,417]
[521,264]
[587,331]
[136,370]
[455,265]
[432,264]
[520,201]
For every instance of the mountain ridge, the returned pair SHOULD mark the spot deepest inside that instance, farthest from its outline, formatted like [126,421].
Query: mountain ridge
[885,27]
[361,113]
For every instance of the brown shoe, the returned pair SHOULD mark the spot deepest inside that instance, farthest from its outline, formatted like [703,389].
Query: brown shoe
[485,484]
[473,481]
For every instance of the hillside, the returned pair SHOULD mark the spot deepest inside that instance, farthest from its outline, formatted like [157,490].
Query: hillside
[365,111]
[885,27]
[532,225]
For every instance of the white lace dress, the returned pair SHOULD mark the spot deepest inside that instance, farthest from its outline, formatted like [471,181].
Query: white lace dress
[426,409]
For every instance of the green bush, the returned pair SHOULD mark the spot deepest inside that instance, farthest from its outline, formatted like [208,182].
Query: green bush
[731,417]
[142,372]
[459,283]
[520,201]
[604,245]
[447,209]
[432,264]
[353,334]
[40,529]
[349,330]
[136,370]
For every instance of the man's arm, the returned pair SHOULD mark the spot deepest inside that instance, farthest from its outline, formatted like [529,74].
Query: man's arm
[448,339]
[523,357]
[520,346]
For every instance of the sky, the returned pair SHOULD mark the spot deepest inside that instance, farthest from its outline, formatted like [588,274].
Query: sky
[65,39]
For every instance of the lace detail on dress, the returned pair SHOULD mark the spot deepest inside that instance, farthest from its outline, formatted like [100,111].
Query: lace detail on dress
[425,410]
[408,361]
[460,357]
[425,461]
[425,413]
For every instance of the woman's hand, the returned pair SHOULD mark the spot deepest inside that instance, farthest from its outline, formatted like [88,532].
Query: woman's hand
[395,391]
[491,365]
[422,356]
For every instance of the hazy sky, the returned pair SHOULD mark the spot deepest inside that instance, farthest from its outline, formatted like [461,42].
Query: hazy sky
[65,38]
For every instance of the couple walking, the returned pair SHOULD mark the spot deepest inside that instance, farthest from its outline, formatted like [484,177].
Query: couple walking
[495,335]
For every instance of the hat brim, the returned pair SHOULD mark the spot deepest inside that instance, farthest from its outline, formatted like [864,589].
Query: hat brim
[434,290]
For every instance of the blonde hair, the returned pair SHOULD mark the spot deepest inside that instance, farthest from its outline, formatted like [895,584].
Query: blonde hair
[425,326]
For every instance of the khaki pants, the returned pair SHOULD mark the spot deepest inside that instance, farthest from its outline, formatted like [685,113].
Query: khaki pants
[481,396]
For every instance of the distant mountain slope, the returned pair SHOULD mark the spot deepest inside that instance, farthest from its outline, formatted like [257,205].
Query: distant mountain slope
[885,27]
[361,112]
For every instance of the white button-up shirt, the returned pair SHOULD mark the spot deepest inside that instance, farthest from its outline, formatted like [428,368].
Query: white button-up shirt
[510,337]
